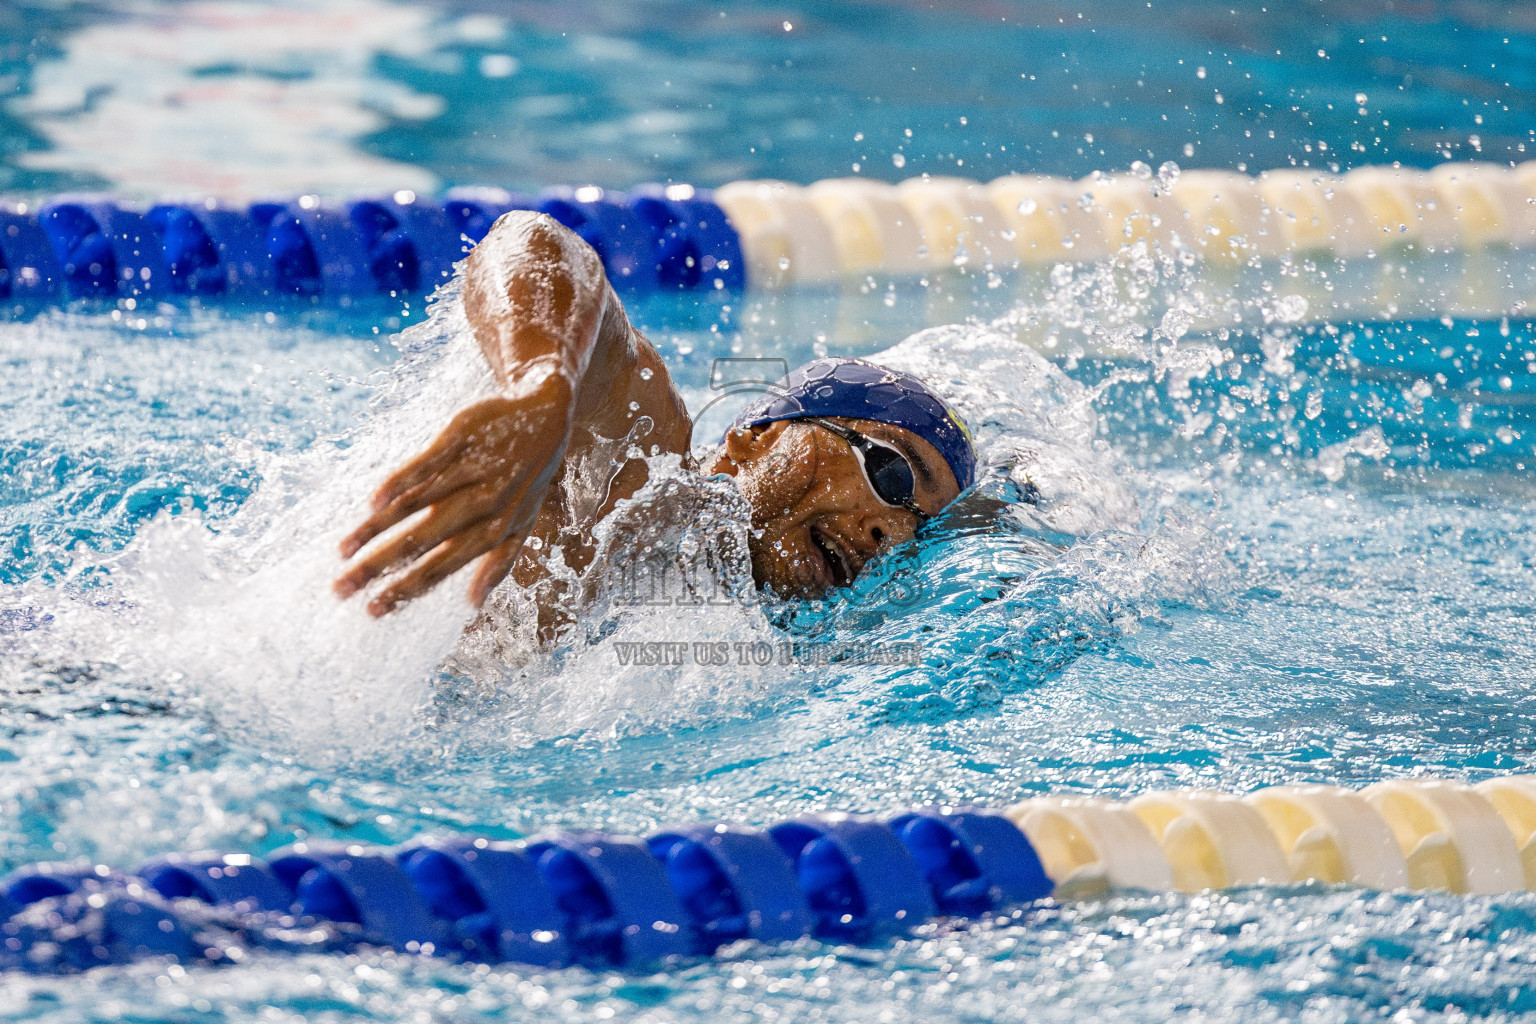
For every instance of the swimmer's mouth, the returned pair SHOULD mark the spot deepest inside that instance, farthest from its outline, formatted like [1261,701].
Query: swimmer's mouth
[839,566]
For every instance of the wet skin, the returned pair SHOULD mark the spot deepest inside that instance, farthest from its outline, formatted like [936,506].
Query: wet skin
[816,520]
[572,372]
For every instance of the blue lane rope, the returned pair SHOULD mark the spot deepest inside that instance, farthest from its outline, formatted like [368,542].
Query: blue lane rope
[95,247]
[559,899]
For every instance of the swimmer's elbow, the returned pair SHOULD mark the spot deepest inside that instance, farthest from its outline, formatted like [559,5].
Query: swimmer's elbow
[532,288]
[529,242]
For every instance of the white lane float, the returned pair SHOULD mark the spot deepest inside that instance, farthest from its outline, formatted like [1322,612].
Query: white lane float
[783,236]
[1212,840]
[1088,846]
[851,227]
[1451,837]
[1401,834]
[1331,835]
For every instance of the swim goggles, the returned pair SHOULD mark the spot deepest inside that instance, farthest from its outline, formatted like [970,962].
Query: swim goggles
[885,468]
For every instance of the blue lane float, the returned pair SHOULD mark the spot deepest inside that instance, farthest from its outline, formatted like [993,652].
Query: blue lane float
[401,245]
[736,883]
[618,903]
[79,931]
[973,863]
[219,879]
[696,246]
[558,899]
[363,886]
[860,881]
[494,897]
[31,270]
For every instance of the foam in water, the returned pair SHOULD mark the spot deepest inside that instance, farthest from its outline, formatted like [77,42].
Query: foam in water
[238,612]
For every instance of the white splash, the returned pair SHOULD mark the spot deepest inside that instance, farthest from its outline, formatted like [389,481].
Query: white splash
[240,615]
[1026,417]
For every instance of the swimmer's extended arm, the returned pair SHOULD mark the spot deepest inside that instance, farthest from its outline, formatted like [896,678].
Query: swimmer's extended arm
[562,351]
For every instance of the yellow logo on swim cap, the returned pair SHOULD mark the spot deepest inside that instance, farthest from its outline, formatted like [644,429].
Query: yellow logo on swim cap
[954,418]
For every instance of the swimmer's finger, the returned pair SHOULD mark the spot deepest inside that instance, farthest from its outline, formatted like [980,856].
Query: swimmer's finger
[421,468]
[371,528]
[448,484]
[403,548]
[398,511]
[462,474]
[494,567]
[385,518]
[447,559]
[447,521]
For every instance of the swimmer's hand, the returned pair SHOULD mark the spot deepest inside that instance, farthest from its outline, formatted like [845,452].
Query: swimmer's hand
[481,484]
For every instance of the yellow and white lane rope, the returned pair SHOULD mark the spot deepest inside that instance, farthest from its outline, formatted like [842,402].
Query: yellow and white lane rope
[853,226]
[1400,834]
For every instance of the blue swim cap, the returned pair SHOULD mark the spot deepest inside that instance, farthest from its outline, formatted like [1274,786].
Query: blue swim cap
[867,391]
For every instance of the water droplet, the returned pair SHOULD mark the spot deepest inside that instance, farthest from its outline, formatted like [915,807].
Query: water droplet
[899,159]
[1027,206]
[783,262]
[646,373]
[1167,174]
[634,406]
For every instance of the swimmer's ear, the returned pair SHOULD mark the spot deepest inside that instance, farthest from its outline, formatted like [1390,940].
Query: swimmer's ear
[743,444]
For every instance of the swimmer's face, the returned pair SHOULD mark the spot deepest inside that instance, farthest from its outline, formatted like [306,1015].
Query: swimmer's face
[816,520]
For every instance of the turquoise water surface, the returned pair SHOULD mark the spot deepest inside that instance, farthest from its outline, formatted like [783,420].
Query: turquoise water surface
[1285,550]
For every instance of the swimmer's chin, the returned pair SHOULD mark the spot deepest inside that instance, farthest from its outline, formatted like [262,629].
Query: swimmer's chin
[792,569]
[803,578]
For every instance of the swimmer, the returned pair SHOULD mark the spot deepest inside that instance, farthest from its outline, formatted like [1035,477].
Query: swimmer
[839,463]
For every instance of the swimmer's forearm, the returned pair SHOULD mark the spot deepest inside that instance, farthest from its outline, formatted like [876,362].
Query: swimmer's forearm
[562,350]
[540,304]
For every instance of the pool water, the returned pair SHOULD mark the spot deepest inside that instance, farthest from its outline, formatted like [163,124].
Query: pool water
[1225,601]
[1288,548]
[251,97]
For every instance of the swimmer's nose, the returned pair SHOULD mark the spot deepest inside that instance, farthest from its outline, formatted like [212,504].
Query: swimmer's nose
[880,530]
